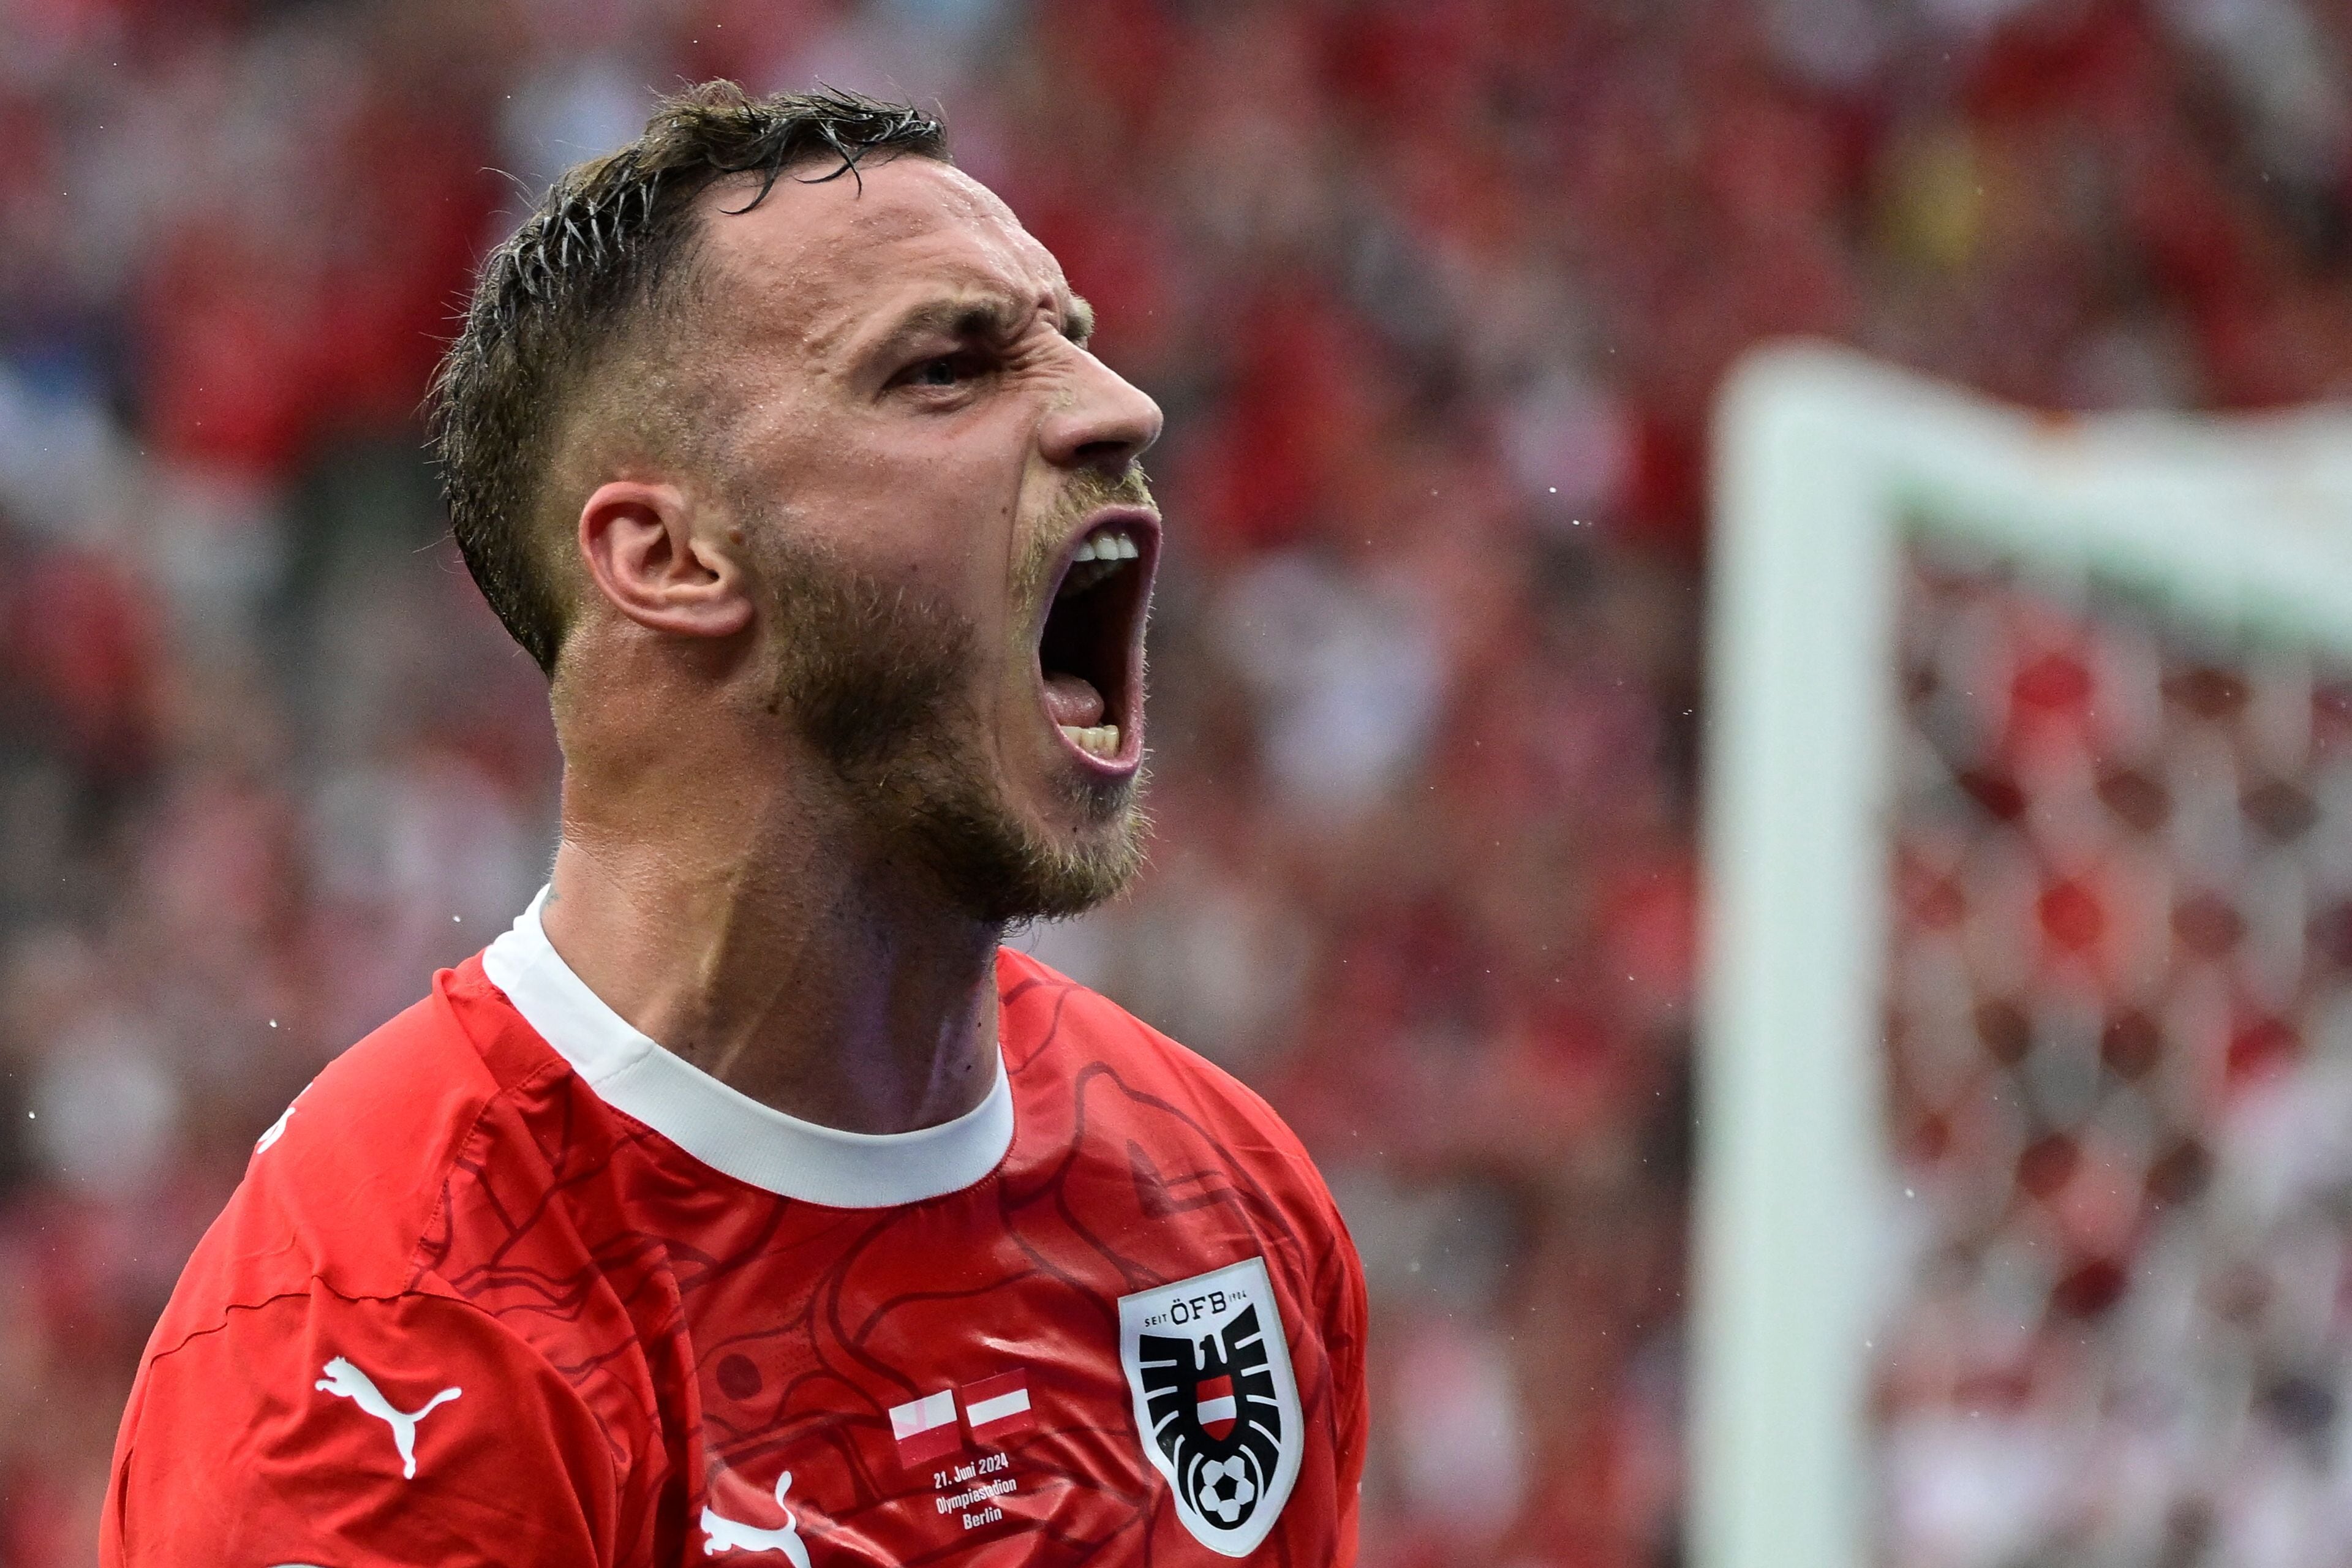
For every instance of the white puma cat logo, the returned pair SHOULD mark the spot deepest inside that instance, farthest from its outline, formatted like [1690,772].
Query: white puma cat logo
[733,1535]
[277,1130]
[345,1380]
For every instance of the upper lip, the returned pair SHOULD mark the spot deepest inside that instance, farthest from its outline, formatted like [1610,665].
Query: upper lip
[1141,522]
[1137,521]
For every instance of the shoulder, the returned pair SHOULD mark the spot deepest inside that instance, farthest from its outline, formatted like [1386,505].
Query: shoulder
[1061,1037]
[315,1428]
[1053,1022]
[342,1190]
[1188,1165]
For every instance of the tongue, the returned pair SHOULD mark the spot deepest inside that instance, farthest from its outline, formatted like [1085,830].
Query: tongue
[1072,700]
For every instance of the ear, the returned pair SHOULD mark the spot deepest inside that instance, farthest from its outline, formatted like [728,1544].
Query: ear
[656,567]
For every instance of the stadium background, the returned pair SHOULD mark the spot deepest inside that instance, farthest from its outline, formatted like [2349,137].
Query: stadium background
[1436,298]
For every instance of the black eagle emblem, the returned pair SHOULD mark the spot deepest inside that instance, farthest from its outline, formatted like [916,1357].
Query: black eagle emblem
[1214,1414]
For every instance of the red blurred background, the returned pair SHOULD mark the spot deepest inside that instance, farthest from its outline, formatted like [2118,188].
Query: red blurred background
[1436,296]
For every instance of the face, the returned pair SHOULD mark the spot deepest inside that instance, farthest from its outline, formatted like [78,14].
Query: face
[938,491]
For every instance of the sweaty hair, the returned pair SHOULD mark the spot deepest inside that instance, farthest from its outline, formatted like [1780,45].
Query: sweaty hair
[609,251]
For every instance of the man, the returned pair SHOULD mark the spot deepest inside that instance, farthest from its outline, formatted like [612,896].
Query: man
[746,1198]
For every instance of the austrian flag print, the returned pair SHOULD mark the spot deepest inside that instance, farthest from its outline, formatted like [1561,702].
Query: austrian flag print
[1216,1408]
[996,1408]
[926,1428]
[1216,1405]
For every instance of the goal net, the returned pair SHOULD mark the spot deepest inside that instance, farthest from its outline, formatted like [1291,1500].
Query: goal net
[2025,1209]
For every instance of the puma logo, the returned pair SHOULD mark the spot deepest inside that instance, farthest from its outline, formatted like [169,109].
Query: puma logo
[277,1130]
[733,1535]
[345,1380]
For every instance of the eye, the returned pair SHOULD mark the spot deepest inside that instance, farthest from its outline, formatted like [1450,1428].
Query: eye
[942,371]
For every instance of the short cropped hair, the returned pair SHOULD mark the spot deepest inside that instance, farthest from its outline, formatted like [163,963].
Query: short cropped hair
[608,250]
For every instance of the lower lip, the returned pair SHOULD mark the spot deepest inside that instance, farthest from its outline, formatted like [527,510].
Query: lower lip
[1130,752]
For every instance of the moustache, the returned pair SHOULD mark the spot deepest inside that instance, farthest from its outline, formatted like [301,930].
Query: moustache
[1087,494]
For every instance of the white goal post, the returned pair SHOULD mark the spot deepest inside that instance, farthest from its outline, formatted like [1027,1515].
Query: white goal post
[1829,466]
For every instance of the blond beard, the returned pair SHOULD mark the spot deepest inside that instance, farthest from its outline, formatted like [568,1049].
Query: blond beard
[882,687]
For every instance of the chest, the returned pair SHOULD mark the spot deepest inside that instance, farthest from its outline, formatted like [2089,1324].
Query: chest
[1109,1352]
[1004,1385]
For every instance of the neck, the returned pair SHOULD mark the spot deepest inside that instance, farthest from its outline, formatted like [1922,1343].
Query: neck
[761,940]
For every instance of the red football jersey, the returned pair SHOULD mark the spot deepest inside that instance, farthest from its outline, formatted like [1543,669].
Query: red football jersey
[508,1284]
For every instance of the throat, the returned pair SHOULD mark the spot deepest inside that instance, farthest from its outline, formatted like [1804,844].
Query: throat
[888,1021]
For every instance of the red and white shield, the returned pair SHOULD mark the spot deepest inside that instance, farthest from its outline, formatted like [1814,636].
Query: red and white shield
[1215,1406]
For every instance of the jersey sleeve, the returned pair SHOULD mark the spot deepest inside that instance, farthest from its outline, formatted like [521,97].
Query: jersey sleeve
[317,1429]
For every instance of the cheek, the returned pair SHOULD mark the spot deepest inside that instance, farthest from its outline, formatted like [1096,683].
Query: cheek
[959,560]
[937,511]
[960,537]
[913,521]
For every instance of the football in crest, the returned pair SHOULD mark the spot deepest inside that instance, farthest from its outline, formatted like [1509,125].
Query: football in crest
[1216,1405]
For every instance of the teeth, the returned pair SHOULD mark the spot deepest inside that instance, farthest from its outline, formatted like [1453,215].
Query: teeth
[1085,575]
[1100,740]
[1096,557]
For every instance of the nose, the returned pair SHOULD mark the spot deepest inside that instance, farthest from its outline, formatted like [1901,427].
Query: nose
[1103,421]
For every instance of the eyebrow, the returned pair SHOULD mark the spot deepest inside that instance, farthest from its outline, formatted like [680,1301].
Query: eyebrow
[997,318]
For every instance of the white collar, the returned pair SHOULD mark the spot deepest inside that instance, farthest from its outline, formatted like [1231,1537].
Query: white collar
[724,1127]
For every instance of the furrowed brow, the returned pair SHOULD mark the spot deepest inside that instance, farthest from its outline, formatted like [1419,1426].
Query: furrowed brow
[965,321]
[970,320]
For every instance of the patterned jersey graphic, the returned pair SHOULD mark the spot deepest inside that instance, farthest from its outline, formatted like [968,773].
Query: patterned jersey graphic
[1215,1400]
[769,1380]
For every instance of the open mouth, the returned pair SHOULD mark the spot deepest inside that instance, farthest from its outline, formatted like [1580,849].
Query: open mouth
[1090,651]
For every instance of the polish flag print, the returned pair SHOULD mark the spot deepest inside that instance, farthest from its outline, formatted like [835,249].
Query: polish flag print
[926,1428]
[1215,1406]
[997,1408]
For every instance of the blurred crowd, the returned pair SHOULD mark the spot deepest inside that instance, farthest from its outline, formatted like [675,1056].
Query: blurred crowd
[1437,296]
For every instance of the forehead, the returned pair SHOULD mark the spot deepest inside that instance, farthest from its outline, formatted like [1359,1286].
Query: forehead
[816,259]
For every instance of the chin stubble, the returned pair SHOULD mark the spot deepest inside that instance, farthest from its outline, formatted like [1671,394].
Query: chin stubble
[880,685]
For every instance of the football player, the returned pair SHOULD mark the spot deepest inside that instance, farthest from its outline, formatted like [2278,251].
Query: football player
[747,1197]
